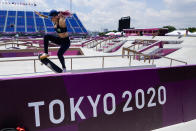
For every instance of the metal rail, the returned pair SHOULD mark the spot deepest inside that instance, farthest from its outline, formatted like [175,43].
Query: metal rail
[71,58]
[139,42]
[135,55]
[138,54]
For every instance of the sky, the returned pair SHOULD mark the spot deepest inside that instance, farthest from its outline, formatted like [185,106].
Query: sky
[97,15]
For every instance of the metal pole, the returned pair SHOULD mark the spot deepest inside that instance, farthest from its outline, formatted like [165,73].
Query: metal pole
[103,62]
[71,63]
[123,52]
[171,63]
[153,60]
[34,67]
[130,61]
[71,5]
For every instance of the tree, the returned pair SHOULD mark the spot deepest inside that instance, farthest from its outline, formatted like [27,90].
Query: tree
[170,28]
[102,33]
[192,29]
[114,31]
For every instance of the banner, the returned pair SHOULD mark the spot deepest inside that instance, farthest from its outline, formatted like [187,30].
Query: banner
[18,3]
[142,99]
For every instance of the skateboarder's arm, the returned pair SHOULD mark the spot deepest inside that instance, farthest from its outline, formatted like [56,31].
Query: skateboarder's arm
[41,15]
[63,15]
[62,20]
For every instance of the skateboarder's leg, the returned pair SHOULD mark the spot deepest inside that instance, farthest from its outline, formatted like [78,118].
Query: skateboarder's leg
[63,47]
[48,38]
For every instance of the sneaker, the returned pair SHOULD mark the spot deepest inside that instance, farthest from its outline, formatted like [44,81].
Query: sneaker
[44,55]
[64,70]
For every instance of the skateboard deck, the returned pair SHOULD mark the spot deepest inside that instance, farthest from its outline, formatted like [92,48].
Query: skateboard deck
[50,65]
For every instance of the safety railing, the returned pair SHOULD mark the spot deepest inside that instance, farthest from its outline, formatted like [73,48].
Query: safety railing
[71,59]
[104,41]
[138,55]
[139,42]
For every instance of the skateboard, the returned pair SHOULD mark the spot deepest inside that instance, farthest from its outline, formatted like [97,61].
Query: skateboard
[50,65]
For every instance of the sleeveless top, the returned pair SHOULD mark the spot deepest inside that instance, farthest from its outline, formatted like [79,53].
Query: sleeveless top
[58,29]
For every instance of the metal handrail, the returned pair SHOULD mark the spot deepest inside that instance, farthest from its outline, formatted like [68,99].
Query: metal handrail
[71,58]
[172,59]
[109,39]
[103,59]
[141,42]
[149,56]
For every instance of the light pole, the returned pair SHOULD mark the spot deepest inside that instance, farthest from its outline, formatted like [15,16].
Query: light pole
[71,5]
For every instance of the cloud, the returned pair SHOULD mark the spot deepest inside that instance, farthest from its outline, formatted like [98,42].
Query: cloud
[179,13]
[41,5]
[181,5]
[106,14]
[97,15]
[182,12]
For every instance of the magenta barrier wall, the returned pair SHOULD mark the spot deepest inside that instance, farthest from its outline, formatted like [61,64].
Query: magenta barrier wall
[103,101]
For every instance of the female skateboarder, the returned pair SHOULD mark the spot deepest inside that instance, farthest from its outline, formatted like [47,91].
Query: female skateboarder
[62,38]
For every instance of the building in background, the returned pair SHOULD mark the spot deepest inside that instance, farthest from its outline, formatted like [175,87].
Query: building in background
[105,30]
[124,23]
[146,32]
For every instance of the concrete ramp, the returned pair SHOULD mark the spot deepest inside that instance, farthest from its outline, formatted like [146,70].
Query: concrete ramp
[150,46]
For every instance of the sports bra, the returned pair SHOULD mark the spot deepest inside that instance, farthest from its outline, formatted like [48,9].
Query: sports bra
[58,29]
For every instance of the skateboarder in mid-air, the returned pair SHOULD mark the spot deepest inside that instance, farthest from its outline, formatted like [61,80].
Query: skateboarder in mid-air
[62,38]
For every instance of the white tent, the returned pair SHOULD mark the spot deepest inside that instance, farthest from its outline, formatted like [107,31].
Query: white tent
[110,33]
[118,33]
[193,34]
[177,33]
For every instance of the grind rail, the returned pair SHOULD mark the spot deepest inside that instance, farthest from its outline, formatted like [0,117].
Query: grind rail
[71,58]
[138,55]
